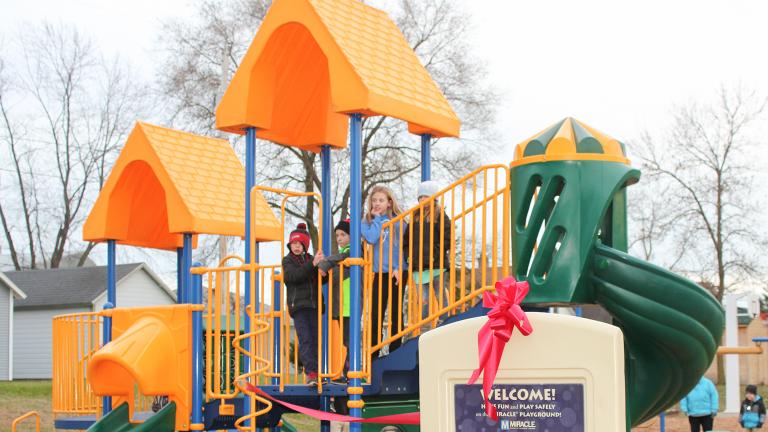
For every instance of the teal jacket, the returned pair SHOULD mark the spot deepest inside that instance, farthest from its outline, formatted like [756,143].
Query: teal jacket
[701,401]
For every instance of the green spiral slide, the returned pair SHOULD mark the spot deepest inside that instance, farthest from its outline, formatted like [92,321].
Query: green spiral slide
[118,421]
[569,241]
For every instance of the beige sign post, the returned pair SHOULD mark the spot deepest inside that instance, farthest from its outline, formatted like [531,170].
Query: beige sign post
[567,376]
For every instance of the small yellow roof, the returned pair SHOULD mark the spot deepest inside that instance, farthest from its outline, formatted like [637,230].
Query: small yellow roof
[167,182]
[314,60]
[570,139]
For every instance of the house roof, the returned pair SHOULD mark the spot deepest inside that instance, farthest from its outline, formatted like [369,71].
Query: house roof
[70,287]
[312,61]
[12,286]
[167,182]
[570,139]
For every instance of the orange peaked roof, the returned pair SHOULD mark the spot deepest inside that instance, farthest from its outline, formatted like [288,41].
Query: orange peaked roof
[167,182]
[312,61]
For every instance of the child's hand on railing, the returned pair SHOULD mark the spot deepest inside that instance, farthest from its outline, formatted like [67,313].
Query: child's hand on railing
[396,276]
[319,257]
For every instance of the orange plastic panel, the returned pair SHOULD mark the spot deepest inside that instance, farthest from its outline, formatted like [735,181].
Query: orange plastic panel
[166,182]
[314,59]
[151,347]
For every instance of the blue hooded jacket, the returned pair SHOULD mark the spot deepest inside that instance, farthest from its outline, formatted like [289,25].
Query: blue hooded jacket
[371,232]
[701,401]
[752,413]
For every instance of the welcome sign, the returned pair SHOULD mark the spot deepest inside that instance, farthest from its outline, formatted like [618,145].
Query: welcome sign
[521,408]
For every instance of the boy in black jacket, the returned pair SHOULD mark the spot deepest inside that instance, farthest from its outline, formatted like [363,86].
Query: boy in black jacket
[300,276]
[752,414]
[331,272]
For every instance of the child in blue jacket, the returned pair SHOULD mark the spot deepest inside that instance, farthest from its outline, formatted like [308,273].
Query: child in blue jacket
[387,263]
[701,405]
[752,413]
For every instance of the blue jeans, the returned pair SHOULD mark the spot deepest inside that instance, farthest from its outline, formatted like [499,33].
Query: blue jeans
[305,321]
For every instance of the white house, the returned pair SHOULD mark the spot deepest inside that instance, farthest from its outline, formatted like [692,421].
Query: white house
[8,293]
[63,291]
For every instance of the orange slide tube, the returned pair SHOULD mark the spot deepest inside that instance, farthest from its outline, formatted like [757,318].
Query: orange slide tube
[151,347]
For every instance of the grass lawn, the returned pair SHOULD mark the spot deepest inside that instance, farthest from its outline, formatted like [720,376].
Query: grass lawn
[18,397]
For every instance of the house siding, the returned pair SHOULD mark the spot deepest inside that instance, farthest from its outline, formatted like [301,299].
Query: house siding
[136,289]
[5,331]
[32,341]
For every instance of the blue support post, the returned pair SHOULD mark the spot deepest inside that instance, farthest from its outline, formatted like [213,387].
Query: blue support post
[110,304]
[186,264]
[662,422]
[250,180]
[355,251]
[426,157]
[325,193]
[196,297]
[179,273]
[276,323]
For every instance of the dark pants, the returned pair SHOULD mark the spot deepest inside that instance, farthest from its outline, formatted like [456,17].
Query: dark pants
[703,422]
[395,311]
[305,321]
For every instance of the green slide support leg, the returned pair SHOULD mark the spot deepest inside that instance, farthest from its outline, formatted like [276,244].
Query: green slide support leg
[671,325]
[117,421]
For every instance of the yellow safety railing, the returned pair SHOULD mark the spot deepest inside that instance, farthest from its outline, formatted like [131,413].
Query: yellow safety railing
[20,419]
[453,247]
[76,337]
[444,273]
[272,351]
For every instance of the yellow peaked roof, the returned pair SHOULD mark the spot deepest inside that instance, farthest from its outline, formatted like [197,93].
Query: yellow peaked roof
[314,60]
[167,182]
[570,139]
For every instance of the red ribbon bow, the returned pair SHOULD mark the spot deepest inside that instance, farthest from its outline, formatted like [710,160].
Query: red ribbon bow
[504,316]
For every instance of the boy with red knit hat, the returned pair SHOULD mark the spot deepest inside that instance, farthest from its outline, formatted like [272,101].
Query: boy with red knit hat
[300,276]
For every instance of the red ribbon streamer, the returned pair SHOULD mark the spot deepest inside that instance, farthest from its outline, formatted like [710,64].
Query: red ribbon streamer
[504,316]
[412,418]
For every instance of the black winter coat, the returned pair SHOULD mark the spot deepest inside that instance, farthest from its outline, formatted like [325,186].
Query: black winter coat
[420,235]
[300,278]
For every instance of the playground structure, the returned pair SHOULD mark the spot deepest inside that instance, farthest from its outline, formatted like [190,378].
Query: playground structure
[555,217]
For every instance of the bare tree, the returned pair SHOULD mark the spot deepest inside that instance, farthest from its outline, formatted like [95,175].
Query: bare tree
[710,208]
[81,108]
[436,29]
[651,214]
[10,137]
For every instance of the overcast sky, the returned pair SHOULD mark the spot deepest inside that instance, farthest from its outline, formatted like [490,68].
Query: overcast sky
[616,65]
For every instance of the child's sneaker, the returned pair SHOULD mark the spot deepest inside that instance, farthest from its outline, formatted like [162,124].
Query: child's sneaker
[312,378]
[339,380]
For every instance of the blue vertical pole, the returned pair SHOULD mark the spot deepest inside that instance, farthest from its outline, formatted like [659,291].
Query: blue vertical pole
[355,251]
[276,323]
[110,304]
[325,193]
[578,311]
[196,297]
[250,180]
[179,273]
[662,422]
[186,264]
[426,157]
